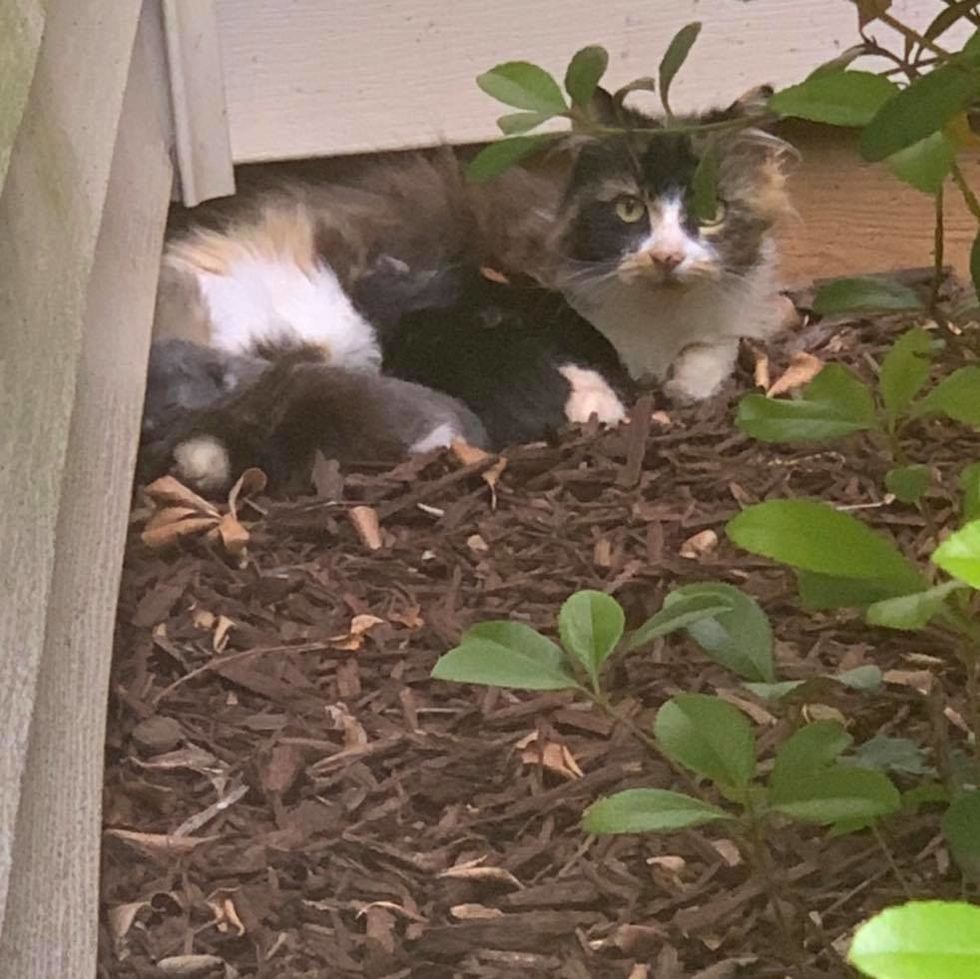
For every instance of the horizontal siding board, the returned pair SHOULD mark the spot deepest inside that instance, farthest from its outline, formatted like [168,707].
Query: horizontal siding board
[316,79]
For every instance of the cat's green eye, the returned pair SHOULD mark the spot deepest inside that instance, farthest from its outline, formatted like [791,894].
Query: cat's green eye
[630,209]
[716,218]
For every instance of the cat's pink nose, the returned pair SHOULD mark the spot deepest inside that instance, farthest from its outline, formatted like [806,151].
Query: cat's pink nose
[666,260]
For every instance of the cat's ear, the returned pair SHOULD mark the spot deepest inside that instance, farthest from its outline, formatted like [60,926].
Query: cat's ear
[601,109]
[752,102]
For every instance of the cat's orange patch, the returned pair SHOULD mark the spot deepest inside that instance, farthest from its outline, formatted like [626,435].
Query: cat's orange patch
[278,234]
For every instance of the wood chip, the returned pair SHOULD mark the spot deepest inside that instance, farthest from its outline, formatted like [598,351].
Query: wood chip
[365,521]
[700,544]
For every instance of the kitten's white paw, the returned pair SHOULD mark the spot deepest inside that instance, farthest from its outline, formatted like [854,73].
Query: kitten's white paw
[203,463]
[700,371]
[591,395]
[441,437]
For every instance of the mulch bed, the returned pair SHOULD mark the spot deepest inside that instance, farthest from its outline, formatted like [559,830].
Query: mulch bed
[288,793]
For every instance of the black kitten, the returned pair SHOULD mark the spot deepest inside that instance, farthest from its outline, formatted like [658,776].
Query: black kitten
[517,354]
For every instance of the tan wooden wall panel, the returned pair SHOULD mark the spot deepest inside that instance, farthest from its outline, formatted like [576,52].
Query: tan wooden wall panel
[50,212]
[855,217]
[56,853]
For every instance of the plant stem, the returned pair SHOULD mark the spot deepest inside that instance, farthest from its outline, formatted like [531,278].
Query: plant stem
[890,858]
[913,35]
[938,249]
[971,199]
[762,859]
[973,699]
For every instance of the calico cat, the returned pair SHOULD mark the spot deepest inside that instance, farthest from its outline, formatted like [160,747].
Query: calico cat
[211,415]
[615,236]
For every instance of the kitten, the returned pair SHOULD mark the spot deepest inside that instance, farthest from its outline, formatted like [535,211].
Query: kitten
[184,376]
[281,413]
[517,354]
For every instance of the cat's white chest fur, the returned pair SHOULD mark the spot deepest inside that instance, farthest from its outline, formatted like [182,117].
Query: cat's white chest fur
[684,336]
[258,298]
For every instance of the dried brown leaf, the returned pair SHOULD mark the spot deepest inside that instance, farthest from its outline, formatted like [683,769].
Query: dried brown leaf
[168,535]
[803,368]
[167,490]
[226,917]
[234,536]
[468,454]
[160,846]
[551,755]
[251,482]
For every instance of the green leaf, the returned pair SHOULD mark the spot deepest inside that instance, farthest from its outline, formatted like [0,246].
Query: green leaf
[975,264]
[648,811]
[864,294]
[709,736]
[590,624]
[584,73]
[905,370]
[920,940]
[957,397]
[925,164]
[820,592]
[910,612]
[678,616]
[961,828]
[842,98]
[835,403]
[908,483]
[959,554]
[675,56]
[494,159]
[524,86]
[505,654]
[808,750]
[739,639]
[521,122]
[860,678]
[774,691]
[970,485]
[923,108]
[645,84]
[885,754]
[816,537]
[835,794]
[836,65]
[705,183]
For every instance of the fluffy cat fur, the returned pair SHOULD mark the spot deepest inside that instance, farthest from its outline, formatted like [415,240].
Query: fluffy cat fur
[276,415]
[310,264]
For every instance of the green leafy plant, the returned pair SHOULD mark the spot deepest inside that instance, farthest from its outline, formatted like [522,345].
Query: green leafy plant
[837,403]
[920,940]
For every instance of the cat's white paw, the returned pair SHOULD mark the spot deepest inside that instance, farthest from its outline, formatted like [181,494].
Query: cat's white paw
[203,462]
[441,437]
[700,371]
[591,395]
